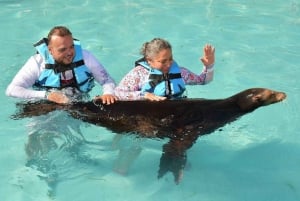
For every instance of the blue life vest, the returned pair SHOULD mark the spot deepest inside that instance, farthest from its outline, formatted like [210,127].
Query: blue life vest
[50,76]
[170,85]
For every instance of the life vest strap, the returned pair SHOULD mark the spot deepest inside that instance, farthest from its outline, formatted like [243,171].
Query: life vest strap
[58,68]
[43,40]
[156,79]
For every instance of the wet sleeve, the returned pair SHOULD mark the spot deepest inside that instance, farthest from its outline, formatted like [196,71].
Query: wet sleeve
[21,85]
[99,72]
[204,77]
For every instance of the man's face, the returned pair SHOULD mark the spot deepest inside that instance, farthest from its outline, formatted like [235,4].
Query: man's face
[62,49]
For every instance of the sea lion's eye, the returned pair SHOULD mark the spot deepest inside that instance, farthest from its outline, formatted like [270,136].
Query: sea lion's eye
[273,94]
[249,95]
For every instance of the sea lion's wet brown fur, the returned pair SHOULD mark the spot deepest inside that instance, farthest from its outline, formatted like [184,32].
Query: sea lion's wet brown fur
[182,121]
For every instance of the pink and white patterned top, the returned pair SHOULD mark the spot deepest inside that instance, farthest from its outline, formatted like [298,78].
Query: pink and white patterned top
[130,86]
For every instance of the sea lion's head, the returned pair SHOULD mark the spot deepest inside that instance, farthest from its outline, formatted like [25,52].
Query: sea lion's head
[253,98]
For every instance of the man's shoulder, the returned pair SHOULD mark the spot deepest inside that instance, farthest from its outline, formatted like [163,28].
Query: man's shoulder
[38,59]
[86,52]
[87,55]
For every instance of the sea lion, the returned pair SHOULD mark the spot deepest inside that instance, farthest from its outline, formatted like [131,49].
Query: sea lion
[182,121]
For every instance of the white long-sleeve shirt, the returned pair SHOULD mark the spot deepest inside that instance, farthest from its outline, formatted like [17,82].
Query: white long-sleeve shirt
[21,85]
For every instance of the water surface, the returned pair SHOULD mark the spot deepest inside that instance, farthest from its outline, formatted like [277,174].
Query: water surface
[254,158]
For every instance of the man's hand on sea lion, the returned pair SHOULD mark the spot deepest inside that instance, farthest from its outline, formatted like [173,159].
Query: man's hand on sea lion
[58,97]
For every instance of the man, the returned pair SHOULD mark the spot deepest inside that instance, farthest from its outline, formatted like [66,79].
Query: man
[61,72]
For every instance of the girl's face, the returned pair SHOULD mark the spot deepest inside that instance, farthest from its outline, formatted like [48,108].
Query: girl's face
[162,61]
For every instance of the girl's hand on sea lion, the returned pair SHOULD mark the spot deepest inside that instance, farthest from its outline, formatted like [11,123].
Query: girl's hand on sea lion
[153,97]
[107,99]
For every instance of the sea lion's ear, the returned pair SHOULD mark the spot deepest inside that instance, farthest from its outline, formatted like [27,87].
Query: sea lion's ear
[257,98]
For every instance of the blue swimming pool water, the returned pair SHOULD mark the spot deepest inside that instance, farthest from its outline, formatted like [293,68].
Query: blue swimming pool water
[254,158]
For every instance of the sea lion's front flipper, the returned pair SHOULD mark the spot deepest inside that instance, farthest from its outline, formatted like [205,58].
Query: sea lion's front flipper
[173,160]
